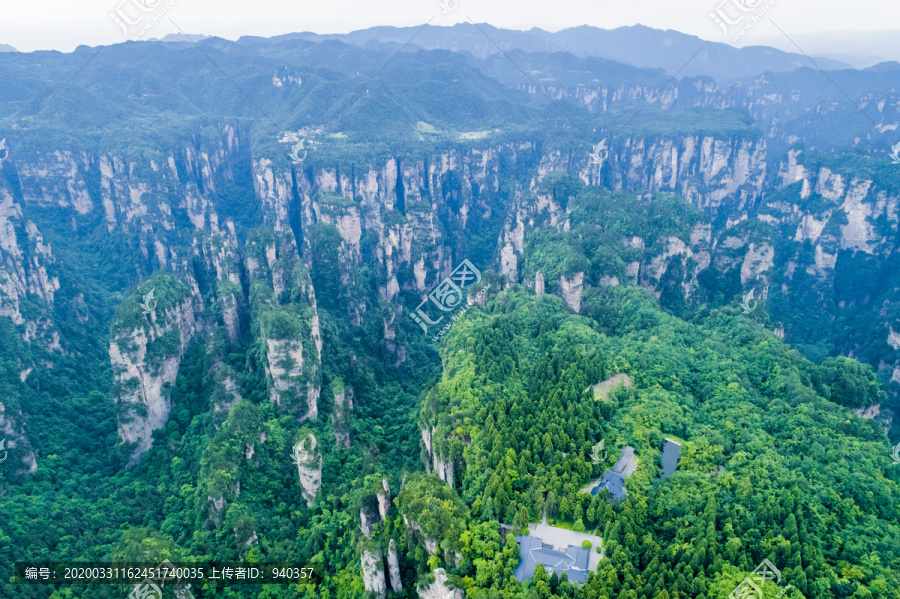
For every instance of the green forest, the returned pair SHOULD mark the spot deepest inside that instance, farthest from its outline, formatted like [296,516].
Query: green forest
[772,466]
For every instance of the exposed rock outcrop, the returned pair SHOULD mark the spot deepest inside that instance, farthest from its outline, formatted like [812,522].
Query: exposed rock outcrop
[285,315]
[571,289]
[148,342]
[340,417]
[366,520]
[15,444]
[225,459]
[343,214]
[225,393]
[308,460]
[384,499]
[286,375]
[885,417]
[411,212]
[394,566]
[539,283]
[757,262]
[218,250]
[373,572]
[439,588]
[24,261]
[371,557]
[431,545]
[442,467]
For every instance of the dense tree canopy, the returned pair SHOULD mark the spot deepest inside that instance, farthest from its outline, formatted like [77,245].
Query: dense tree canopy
[769,468]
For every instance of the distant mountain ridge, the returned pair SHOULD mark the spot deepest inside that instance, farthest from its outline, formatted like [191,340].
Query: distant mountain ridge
[638,46]
[179,37]
[859,48]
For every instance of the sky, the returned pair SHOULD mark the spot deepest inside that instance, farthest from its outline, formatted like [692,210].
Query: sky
[63,24]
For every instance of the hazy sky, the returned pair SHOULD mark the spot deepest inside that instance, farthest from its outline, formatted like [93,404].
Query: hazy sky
[64,24]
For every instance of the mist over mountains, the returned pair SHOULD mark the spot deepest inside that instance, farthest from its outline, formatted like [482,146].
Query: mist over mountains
[637,46]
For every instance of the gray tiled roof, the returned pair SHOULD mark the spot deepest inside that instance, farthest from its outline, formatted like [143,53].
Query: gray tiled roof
[670,454]
[574,562]
[625,465]
[612,482]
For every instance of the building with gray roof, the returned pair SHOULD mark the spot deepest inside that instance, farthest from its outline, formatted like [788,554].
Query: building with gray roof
[670,454]
[614,480]
[573,561]
[625,465]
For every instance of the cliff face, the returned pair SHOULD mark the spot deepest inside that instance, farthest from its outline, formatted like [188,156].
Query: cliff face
[218,250]
[285,313]
[228,460]
[441,191]
[24,261]
[308,459]
[145,351]
[773,101]
[716,174]
[384,499]
[343,407]
[285,370]
[837,238]
[371,559]
[833,210]
[571,290]
[394,566]
[373,572]
[440,198]
[405,222]
[15,446]
[433,458]
[155,197]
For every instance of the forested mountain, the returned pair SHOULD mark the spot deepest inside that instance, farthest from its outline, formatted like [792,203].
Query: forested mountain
[217,343]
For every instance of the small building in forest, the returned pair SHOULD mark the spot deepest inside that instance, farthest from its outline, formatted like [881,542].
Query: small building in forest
[625,465]
[614,480]
[573,561]
[670,454]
